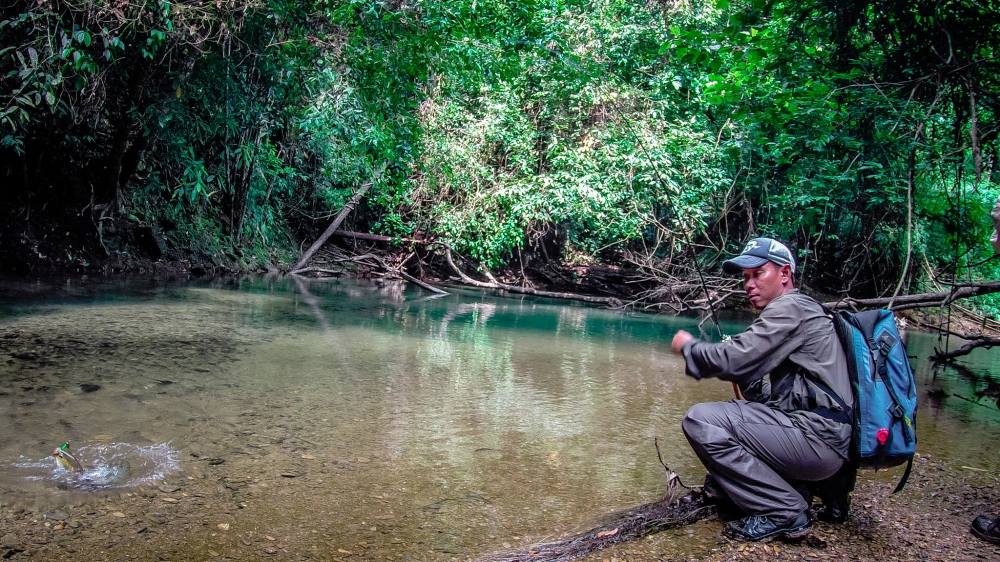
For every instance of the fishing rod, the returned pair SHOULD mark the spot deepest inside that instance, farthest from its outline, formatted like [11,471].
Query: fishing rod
[656,173]
[659,180]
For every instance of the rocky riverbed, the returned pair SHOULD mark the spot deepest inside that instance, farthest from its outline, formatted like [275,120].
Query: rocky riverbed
[216,511]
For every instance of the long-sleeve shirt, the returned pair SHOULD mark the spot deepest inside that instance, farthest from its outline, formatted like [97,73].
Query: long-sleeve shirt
[792,345]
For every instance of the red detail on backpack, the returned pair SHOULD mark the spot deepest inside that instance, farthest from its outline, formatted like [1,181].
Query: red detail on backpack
[882,435]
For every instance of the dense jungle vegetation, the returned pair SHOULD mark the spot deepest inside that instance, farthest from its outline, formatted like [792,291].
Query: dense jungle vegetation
[607,132]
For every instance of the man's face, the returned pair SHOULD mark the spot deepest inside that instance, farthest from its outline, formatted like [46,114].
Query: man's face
[765,283]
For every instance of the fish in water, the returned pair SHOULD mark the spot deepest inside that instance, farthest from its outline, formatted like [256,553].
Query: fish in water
[66,458]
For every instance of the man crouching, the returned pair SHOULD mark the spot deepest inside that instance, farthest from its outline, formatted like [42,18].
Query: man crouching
[795,425]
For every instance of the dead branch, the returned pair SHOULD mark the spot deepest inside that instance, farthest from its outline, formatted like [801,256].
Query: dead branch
[974,342]
[321,270]
[675,509]
[670,287]
[377,237]
[376,262]
[920,300]
[398,270]
[336,222]
[494,284]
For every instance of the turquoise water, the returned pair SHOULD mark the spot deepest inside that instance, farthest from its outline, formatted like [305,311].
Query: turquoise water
[380,416]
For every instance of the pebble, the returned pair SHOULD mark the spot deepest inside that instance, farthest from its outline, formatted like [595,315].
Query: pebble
[223,526]
[168,488]
[271,550]
[117,514]
[8,540]
[169,500]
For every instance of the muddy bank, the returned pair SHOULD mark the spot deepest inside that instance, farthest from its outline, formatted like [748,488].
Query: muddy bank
[929,520]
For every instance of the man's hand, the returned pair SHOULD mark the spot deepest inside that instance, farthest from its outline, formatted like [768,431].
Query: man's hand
[680,339]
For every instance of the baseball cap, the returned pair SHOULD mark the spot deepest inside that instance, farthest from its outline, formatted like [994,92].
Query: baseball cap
[757,252]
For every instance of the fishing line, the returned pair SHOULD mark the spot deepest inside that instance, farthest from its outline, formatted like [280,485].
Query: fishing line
[656,173]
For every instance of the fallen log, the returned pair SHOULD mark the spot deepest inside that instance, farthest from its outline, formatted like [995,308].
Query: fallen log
[335,224]
[494,284]
[423,284]
[377,237]
[920,300]
[681,505]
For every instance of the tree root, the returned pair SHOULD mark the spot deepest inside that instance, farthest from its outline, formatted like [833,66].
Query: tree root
[494,284]
[628,525]
[675,509]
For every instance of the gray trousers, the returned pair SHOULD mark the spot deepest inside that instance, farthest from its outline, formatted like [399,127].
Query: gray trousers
[752,452]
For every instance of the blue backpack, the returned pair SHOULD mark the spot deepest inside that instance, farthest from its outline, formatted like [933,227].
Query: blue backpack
[885,391]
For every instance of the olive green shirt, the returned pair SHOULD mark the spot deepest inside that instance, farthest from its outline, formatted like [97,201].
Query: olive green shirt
[787,359]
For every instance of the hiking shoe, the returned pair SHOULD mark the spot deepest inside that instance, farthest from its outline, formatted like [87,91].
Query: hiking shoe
[836,494]
[755,528]
[835,509]
[987,529]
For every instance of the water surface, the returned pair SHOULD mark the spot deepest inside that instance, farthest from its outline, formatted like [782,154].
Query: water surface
[378,419]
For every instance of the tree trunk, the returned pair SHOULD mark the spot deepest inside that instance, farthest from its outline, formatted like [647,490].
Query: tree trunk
[332,228]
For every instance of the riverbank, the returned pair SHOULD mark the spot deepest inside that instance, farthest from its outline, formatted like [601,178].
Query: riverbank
[928,520]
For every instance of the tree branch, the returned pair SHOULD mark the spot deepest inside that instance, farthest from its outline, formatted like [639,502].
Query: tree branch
[920,300]
[974,343]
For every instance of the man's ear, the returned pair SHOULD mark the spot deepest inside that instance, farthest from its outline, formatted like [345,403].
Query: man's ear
[786,272]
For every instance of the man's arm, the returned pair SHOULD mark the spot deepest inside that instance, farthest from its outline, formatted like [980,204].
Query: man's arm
[750,354]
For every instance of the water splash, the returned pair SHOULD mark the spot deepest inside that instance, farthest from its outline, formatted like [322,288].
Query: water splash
[107,466]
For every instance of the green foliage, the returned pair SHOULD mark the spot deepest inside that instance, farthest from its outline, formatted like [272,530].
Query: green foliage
[237,128]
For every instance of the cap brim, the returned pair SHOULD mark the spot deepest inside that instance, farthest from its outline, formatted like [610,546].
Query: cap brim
[739,263]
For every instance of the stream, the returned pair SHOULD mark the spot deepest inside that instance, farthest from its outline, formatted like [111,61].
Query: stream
[317,419]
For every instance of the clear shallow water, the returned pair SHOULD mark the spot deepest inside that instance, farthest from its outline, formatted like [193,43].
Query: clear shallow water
[105,466]
[380,417]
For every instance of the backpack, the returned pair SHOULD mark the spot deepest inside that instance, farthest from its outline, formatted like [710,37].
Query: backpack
[885,390]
